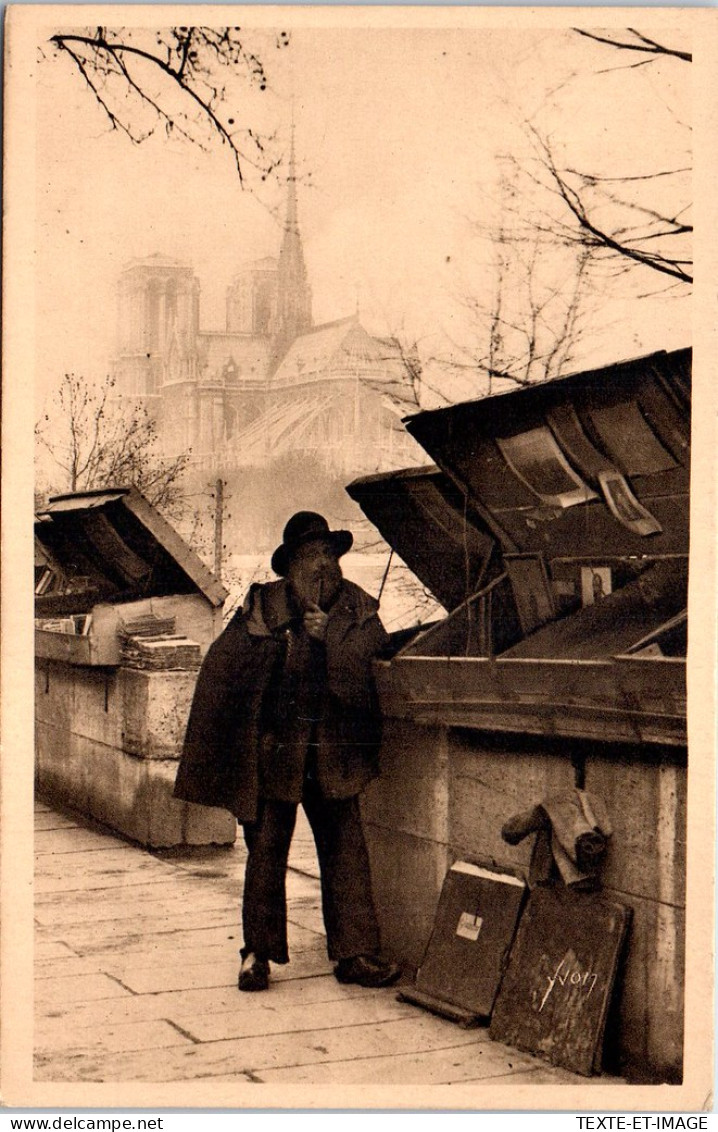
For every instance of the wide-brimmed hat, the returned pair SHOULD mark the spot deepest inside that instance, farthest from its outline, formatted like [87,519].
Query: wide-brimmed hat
[304,527]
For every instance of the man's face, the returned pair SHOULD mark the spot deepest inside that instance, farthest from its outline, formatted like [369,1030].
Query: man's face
[314,574]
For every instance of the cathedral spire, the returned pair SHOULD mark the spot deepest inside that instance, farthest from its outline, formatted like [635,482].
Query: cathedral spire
[292,223]
[294,296]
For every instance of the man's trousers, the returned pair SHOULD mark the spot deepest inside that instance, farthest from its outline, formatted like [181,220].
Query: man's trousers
[347,903]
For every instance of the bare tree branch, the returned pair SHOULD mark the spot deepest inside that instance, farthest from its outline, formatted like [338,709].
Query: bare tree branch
[631,220]
[644,44]
[592,235]
[114,66]
[94,442]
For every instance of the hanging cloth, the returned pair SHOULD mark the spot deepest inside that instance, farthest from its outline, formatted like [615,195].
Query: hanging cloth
[572,833]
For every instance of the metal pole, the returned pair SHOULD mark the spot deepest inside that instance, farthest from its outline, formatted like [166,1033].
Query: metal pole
[218,522]
[386,574]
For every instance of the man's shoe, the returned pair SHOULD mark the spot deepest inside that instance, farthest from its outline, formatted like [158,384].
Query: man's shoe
[366,971]
[253,974]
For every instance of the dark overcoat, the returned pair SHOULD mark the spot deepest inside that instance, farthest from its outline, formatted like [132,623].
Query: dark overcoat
[230,754]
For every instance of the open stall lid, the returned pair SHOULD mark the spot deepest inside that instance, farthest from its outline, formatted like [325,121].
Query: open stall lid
[598,460]
[430,524]
[112,545]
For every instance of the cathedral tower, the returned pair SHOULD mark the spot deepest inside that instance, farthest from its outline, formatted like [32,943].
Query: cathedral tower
[157,326]
[252,299]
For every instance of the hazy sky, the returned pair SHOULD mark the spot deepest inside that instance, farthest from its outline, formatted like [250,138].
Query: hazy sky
[400,131]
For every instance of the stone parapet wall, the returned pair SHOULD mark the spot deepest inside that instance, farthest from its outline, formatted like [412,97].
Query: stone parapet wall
[444,795]
[107,745]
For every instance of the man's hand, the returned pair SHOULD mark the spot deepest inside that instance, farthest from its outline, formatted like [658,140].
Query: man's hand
[315,622]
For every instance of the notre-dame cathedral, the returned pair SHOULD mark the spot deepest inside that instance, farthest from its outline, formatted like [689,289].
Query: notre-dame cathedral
[271,382]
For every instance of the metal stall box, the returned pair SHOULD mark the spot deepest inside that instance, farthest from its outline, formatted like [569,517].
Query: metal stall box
[554,530]
[125,610]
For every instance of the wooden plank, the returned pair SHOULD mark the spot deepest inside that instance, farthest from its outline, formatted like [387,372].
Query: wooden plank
[204,944]
[439,1006]
[95,871]
[148,959]
[145,955]
[303,852]
[90,1017]
[308,916]
[567,720]
[65,647]
[119,864]
[406,1035]
[73,839]
[547,1075]
[65,966]
[55,1039]
[184,1006]
[45,821]
[55,908]
[142,890]
[51,949]
[477,1061]
[130,927]
[380,1006]
[302,890]
[125,856]
[629,700]
[176,546]
[107,907]
[86,883]
[76,988]
[150,980]
[151,946]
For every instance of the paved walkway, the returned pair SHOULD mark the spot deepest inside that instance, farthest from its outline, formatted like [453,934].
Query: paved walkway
[136,969]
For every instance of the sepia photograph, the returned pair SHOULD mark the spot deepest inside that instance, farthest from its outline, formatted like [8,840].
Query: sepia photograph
[360,742]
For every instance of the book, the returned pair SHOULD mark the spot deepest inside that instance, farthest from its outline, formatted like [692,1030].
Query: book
[474,926]
[556,993]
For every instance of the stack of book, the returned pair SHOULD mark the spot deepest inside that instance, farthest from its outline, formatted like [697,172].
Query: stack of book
[162,652]
[149,625]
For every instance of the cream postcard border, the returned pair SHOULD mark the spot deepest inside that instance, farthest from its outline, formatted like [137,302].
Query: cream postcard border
[16,797]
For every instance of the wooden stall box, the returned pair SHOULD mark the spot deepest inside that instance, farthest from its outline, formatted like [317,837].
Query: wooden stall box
[125,610]
[553,528]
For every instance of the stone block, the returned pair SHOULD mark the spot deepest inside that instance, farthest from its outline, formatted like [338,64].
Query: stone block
[488,784]
[208,825]
[155,708]
[60,766]
[407,875]
[54,702]
[411,793]
[646,802]
[48,770]
[107,744]
[115,782]
[644,1032]
[134,796]
[171,822]
[97,706]
[42,687]
[163,816]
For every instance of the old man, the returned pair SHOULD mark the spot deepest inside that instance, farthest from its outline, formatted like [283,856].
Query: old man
[285,712]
